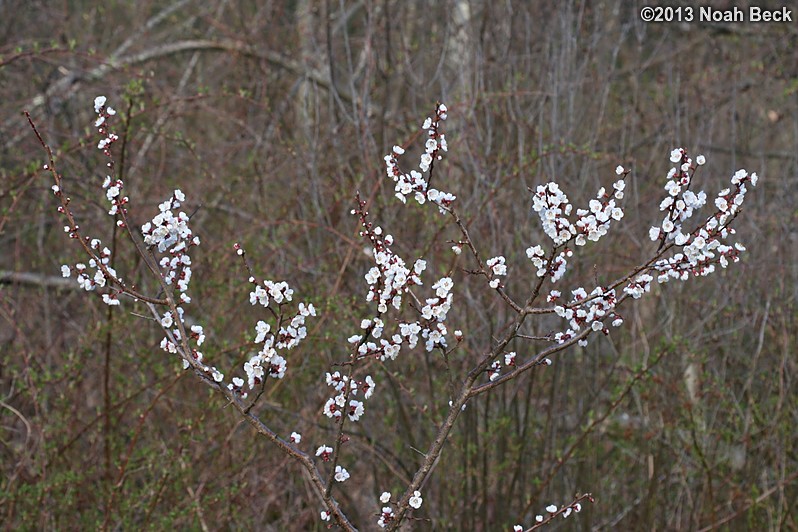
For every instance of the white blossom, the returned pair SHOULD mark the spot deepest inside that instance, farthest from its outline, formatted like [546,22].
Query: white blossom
[416,500]
[341,474]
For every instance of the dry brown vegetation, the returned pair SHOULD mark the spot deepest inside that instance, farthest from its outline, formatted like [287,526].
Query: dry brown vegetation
[270,115]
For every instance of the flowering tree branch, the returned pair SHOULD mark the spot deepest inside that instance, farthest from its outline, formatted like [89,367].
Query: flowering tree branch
[702,248]
[395,289]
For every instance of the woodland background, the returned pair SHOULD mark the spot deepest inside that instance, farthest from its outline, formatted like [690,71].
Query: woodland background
[269,115]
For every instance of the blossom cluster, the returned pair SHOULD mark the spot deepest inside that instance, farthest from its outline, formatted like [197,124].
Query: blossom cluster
[434,313]
[280,292]
[112,186]
[553,207]
[681,202]
[431,328]
[100,261]
[289,336]
[588,311]
[555,268]
[698,251]
[705,246]
[104,112]
[336,406]
[594,222]
[553,511]
[170,235]
[387,514]
[96,279]
[113,192]
[388,280]
[414,182]
[390,277]
[554,210]
[498,268]
[268,362]
[495,369]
